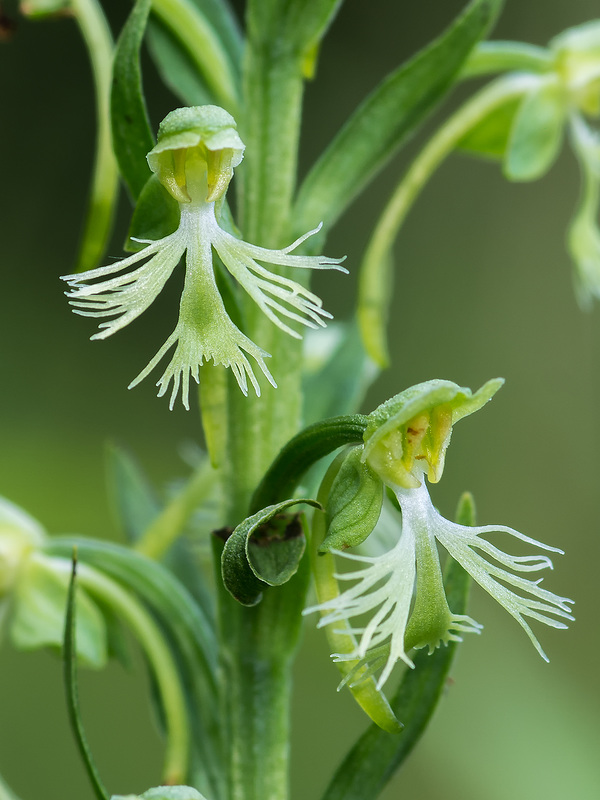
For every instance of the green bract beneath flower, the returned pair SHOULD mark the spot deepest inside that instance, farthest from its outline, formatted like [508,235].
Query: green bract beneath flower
[409,434]
[194,158]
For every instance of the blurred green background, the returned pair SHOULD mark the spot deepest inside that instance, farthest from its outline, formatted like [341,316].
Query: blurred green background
[483,288]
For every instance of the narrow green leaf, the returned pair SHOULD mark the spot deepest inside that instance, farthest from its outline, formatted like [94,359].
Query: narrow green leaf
[377,755]
[117,644]
[132,497]
[70,678]
[155,216]
[176,66]
[197,37]
[376,289]
[385,119]
[132,136]
[537,133]
[247,569]
[219,15]
[306,23]
[490,137]
[187,628]
[301,452]
[222,18]
[354,504]
[168,527]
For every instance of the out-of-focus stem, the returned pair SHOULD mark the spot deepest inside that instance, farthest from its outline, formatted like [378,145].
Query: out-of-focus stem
[103,195]
[376,269]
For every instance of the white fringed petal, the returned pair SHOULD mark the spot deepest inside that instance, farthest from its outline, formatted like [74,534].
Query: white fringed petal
[204,331]
[384,587]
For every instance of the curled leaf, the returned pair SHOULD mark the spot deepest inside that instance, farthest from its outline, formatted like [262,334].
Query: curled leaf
[264,550]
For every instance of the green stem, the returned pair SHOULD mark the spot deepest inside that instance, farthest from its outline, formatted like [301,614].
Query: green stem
[270,127]
[256,646]
[376,270]
[489,57]
[103,194]
[198,37]
[168,525]
[256,655]
[159,656]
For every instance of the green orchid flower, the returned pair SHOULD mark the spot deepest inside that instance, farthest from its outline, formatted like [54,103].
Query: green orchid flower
[197,151]
[399,595]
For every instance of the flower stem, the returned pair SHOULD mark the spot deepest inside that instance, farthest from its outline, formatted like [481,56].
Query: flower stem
[103,195]
[257,643]
[205,49]
[273,88]
[258,647]
[500,56]
[376,269]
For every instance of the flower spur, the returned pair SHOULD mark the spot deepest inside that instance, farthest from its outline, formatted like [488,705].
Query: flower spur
[194,159]
[399,596]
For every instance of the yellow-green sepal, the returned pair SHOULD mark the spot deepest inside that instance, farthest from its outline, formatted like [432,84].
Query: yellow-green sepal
[410,432]
[208,132]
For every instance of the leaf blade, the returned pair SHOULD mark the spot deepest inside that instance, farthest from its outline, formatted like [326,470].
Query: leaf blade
[376,130]
[70,679]
[131,132]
